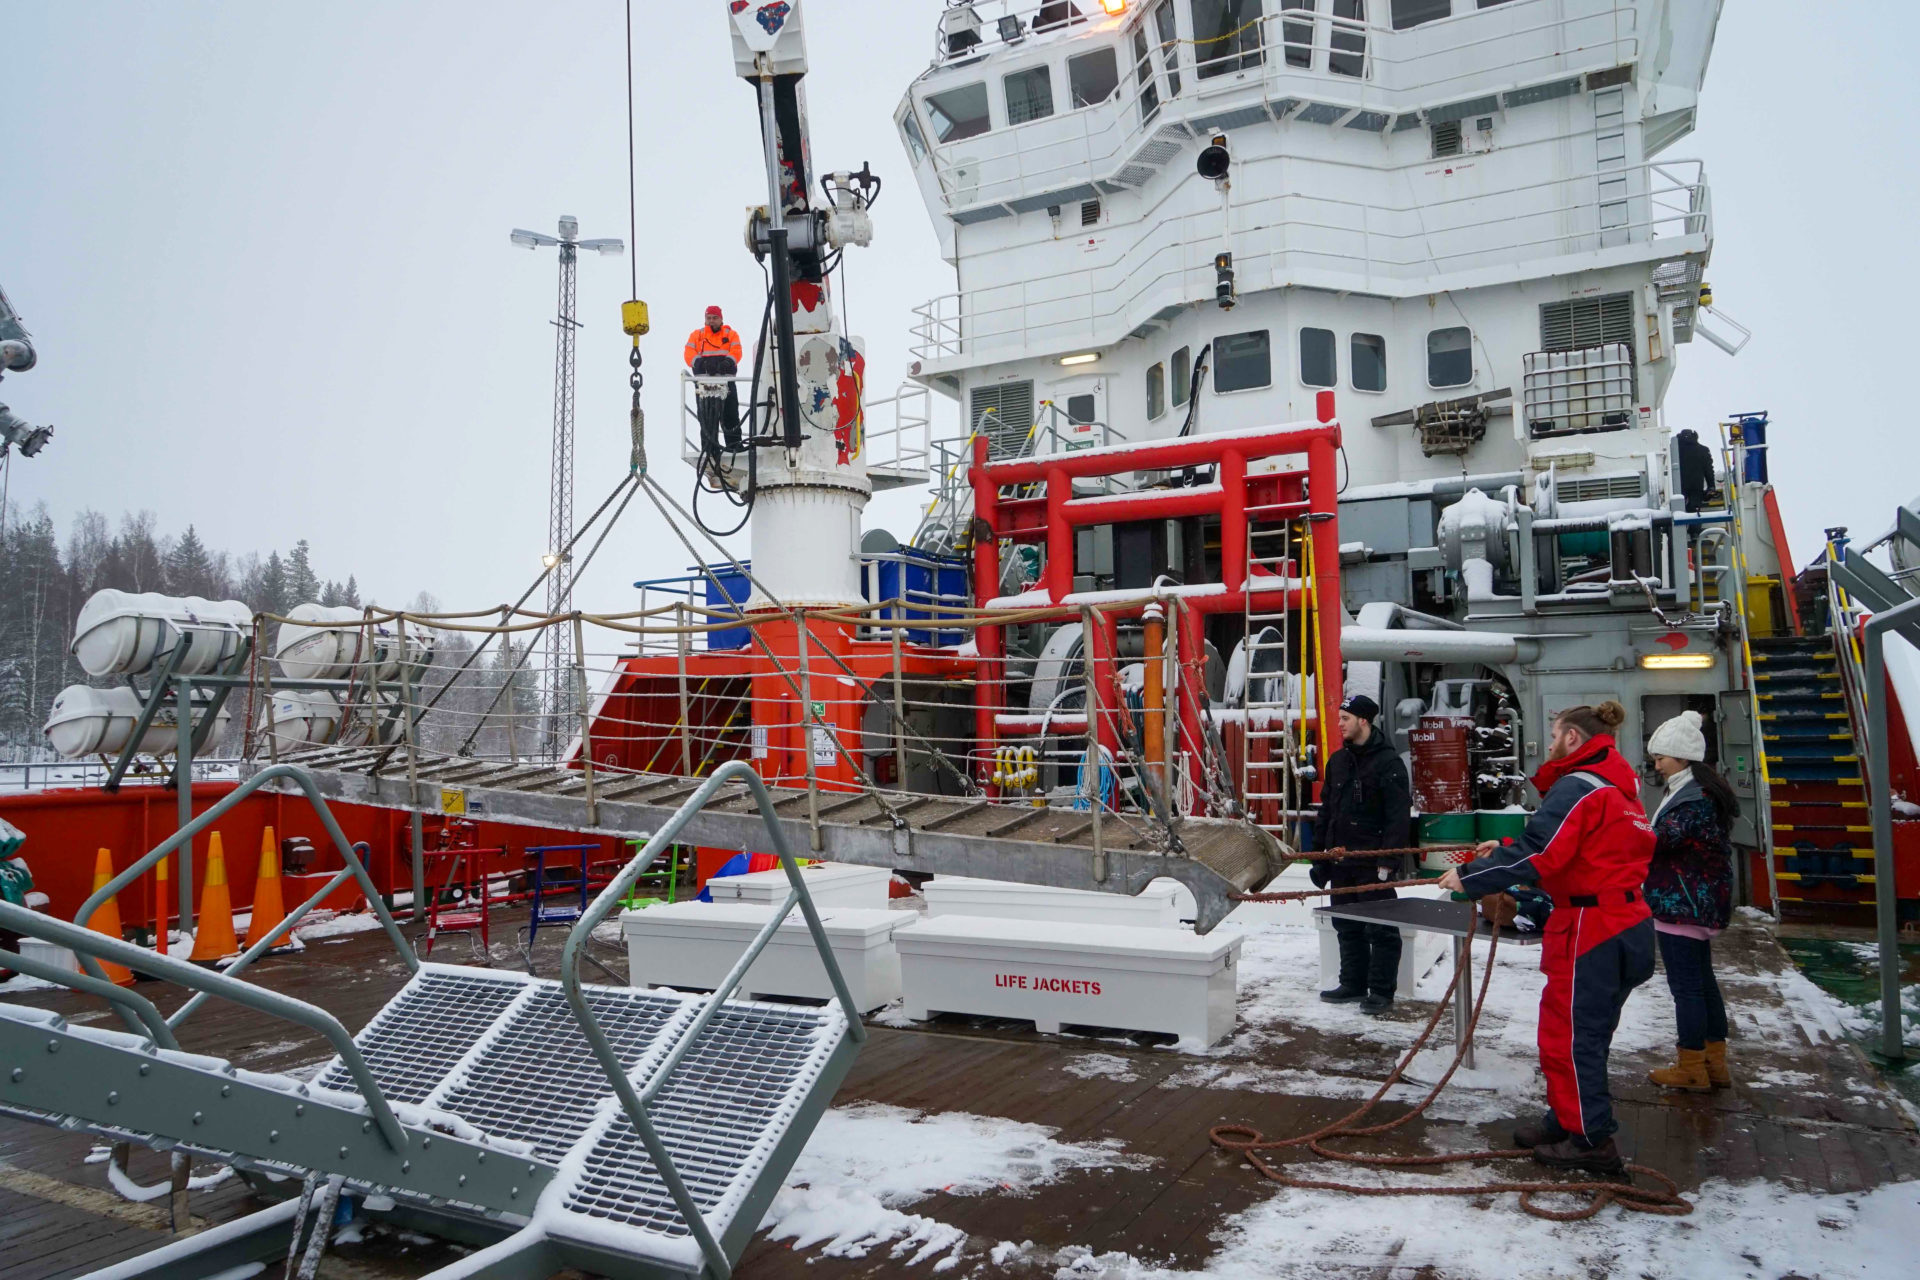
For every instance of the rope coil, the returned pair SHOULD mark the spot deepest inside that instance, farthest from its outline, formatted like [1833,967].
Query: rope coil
[1247,1141]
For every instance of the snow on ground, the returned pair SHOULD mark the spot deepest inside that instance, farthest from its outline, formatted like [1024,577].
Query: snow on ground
[865,1162]
[1104,1066]
[1752,1230]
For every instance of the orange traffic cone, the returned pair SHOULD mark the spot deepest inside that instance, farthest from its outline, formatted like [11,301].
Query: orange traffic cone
[160,922]
[269,906]
[106,917]
[214,939]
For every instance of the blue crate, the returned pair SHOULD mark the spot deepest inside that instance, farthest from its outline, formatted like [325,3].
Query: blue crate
[923,579]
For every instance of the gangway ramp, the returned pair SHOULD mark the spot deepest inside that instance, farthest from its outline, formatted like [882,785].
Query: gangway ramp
[1061,847]
[625,1132]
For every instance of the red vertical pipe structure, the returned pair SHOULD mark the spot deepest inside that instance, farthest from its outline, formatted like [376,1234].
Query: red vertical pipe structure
[989,642]
[1233,520]
[1059,536]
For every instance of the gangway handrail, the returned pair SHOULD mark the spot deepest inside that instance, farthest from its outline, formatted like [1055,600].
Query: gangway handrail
[126,1001]
[354,866]
[273,936]
[635,1104]
[93,947]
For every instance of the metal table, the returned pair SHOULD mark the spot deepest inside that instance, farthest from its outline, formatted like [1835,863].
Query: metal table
[1437,915]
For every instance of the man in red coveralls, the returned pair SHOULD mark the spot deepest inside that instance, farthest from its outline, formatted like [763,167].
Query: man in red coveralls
[1588,846]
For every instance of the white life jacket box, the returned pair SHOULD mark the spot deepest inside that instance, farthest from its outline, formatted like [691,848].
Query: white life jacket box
[1156,906]
[1056,974]
[831,884]
[696,944]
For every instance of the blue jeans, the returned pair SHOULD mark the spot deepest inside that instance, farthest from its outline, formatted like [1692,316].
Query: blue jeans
[1696,995]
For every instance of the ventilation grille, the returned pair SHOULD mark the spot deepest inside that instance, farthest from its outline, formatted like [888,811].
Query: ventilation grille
[1003,413]
[1602,487]
[1586,322]
[1446,139]
[1089,213]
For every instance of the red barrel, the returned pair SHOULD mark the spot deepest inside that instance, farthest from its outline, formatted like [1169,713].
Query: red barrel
[1442,781]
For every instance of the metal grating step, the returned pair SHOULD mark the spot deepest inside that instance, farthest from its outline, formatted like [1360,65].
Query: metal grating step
[438,1017]
[721,1115]
[537,1080]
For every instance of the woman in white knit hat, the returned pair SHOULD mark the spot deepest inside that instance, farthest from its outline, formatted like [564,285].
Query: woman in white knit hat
[1690,891]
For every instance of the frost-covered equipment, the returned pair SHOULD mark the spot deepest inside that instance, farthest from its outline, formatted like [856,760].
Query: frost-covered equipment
[125,633]
[322,643]
[626,1133]
[85,721]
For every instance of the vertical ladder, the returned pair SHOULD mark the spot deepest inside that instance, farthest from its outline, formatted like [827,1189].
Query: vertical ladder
[1271,700]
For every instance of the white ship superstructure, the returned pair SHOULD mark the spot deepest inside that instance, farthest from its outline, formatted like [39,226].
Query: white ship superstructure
[1459,217]
[1421,195]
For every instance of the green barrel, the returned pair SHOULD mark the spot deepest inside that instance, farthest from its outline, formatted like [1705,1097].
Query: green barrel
[1492,825]
[1444,829]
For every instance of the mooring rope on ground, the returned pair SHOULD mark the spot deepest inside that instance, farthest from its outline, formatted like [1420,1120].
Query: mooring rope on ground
[1251,1143]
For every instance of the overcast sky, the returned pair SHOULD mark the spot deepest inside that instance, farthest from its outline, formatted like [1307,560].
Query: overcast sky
[263,251]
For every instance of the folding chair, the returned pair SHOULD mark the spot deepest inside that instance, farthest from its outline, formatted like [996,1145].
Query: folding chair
[466,917]
[543,881]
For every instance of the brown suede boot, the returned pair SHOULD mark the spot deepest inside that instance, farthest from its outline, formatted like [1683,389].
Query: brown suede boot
[1717,1074]
[1690,1073]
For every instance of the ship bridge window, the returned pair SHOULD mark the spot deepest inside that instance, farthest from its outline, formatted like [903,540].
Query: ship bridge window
[910,130]
[1450,357]
[1226,36]
[1348,39]
[1242,361]
[1029,95]
[959,112]
[1412,13]
[1367,362]
[1182,362]
[1169,46]
[1318,363]
[1143,76]
[1297,37]
[1156,390]
[1093,77]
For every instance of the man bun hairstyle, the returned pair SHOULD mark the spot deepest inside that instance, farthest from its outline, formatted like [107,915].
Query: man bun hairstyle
[1594,721]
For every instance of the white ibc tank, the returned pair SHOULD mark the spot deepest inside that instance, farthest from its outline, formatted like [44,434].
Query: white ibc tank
[328,643]
[304,719]
[86,721]
[125,633]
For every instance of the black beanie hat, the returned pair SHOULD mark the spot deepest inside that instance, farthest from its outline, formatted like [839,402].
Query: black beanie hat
[1361,705]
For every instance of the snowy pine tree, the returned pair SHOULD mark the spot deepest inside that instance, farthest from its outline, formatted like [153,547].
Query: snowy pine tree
[303,585]
[189,567]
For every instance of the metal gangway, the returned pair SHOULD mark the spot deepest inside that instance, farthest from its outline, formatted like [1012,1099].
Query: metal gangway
[625,1132]
[1067,848]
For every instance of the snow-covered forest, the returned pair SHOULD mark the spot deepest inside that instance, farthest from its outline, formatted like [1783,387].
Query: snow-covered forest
[45,578]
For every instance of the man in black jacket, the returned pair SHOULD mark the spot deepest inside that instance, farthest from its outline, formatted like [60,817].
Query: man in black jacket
[1366,803]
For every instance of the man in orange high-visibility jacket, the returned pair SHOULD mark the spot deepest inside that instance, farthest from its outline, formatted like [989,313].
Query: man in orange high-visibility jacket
[713,350]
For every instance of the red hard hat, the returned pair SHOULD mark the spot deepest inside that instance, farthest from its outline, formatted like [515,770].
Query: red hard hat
[713,311]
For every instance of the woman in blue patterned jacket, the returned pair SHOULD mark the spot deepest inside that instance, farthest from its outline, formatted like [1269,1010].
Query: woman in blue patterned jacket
[1690,892]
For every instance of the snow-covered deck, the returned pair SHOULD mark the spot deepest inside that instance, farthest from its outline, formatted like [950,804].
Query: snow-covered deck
[975,1148]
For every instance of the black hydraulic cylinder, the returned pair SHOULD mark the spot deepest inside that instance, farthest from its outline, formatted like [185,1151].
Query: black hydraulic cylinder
[783,336]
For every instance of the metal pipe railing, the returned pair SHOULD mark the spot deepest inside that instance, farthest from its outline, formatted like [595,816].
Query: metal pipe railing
[188,831]
[93,947]
[635,1103]
[140,1008]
